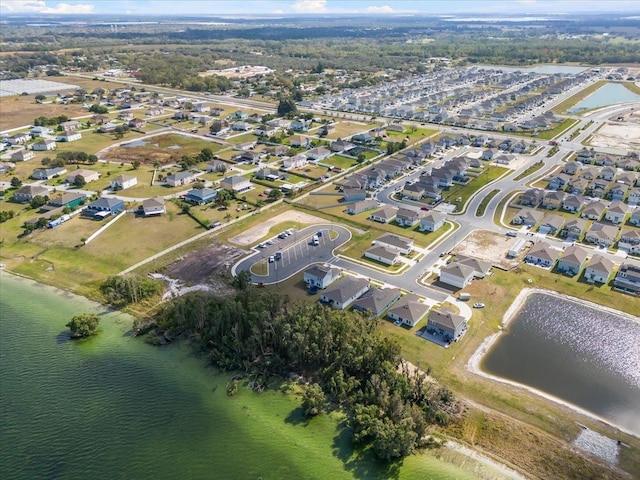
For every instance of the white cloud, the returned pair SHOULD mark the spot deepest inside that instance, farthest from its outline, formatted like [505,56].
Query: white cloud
[310,6]
[381,9]
[40,6]
[278,12]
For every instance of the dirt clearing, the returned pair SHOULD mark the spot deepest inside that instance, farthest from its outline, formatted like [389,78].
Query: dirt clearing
[625,135]
[209,266]
[251,236]
[488,246]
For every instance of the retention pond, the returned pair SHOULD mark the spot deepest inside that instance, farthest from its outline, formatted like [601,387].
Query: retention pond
[579,353]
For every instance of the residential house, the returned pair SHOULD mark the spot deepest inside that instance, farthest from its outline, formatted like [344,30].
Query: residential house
[382,254]
[68,199]
[376,300]
[122,182]
[181,178]
[249,157]
[48,173]
[542,254]
[573,228]
[616,212]
[601,234]
[552,200]
[321,276]
[456,274]
[628,279]
[345,291]
[341,146]
[18,139]
[236,184]
[44,145]
[318,153]
[277,150]
[593,211]
[245,146]
[608,173]
[630,241]
[572,260]
[409,310]
[577,185]
[572,203]
[69,136]
[201,196]
[40,131]
[635,218]
[559,181]
[598,270]
[137,123]
[395,242]
[446,323]
[532,197]
[354,194]
[153,206]
[362,206]
[103,207]
[217,166]
[71,125]
[270,174]
[27,193]
[297,161]
[480,267]
[154,111]
[22,155]
[527,216]
[551,224]
[406,217]
[431,222]
[265,131]
[241,126]
[107,127]
[618,191]
[413,191]
[384,214]
[571,168]
[300,141]
[87,175]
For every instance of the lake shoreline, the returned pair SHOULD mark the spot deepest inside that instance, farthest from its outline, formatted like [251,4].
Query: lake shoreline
[474,362]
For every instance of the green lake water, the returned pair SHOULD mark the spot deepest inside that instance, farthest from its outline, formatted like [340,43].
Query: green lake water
[112,407]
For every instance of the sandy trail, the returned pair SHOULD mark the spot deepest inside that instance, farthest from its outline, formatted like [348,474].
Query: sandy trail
[252,235]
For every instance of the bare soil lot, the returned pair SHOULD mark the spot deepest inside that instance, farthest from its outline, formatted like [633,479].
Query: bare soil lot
[620,135]
[208,266]
[488,246]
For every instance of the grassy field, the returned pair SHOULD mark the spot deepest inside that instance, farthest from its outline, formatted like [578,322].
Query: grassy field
[347,128]
[464,192]
[485,201]
[165,148]
[532,169]
[413,135]
[18,111]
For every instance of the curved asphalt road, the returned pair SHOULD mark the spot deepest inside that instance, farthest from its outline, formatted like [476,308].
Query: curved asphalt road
[297,253]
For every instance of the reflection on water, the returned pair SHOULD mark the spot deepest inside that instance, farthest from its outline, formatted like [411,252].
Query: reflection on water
[609,94]
[583,355]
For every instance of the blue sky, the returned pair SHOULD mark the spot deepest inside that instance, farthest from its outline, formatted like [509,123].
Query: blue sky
[258,7]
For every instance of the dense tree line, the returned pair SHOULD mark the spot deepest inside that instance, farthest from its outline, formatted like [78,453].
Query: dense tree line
[347,361]
[121,290]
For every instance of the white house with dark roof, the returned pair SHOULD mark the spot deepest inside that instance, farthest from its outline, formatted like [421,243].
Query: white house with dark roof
[542,254]
[344,292]
[181,178]
[573,227]
[153,206]
[431,222]
[382,254]
[572,260]
[395,242]
[480,267]
[456,274]
[27,193]
[527,216]
[551,224]
[321,276]
[71,136]
[22,155]
[446,323]
[384,214]
[616,212]
[572,203]
[599,269]
[87,175]
[122,182]
[409,310]
[406,217]
[236,184]
[376,300]
[48,173]
[601,234]
[362,206]
[593,211]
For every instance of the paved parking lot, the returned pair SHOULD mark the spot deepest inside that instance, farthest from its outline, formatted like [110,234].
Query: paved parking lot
[297,252]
